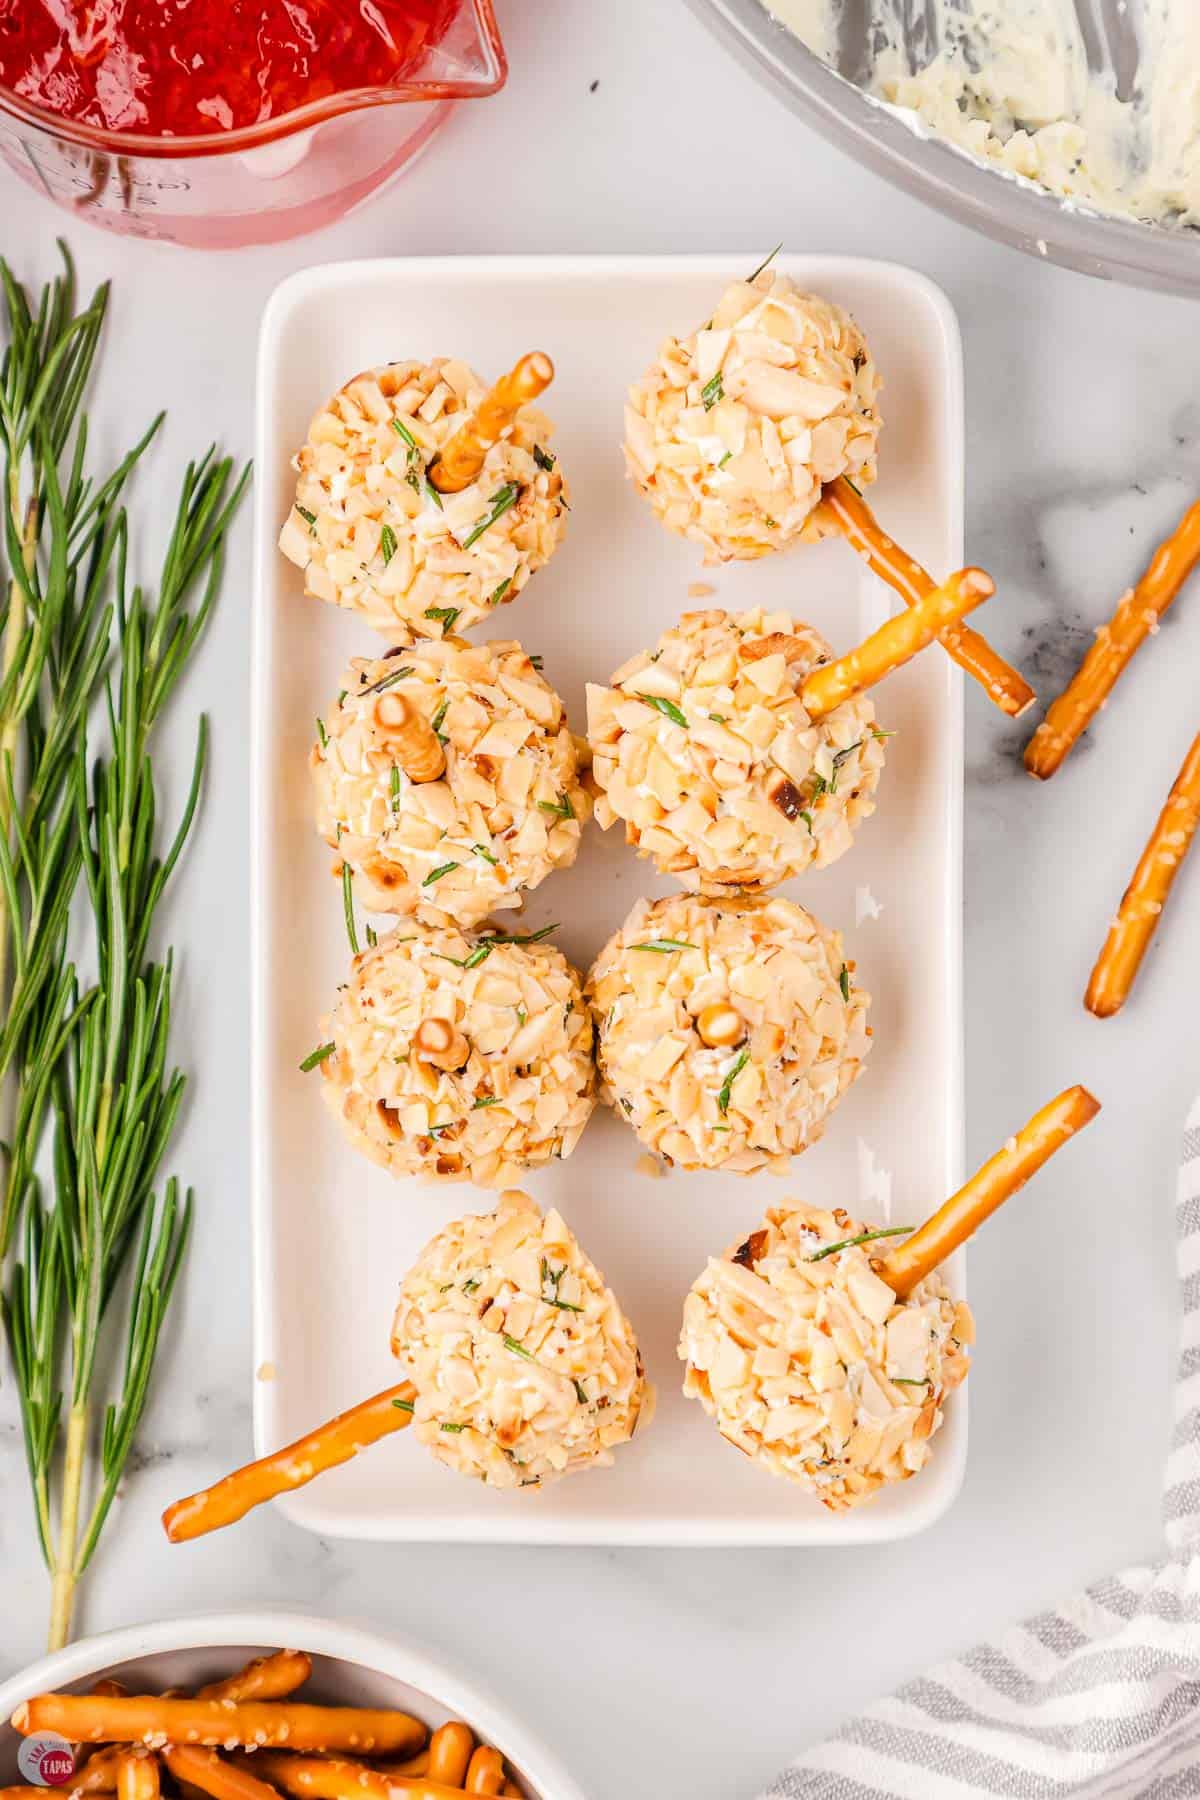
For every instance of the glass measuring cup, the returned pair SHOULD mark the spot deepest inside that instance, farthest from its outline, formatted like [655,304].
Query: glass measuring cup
[266,182]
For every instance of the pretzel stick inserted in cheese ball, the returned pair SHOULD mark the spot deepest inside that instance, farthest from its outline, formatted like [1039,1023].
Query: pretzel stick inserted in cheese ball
[1135,619]
[999,1178]
[463,457]
[146,1719]
[292,1467]
[842,506]
[897,640]
[1141,906]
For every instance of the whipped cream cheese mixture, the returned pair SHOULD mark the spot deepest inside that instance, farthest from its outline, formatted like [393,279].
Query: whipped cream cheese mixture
[1010,82]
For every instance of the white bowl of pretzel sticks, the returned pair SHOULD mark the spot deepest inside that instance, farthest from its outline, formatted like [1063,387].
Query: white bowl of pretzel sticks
[363,1718]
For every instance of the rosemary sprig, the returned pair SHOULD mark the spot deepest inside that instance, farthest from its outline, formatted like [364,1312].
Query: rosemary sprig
[100,1253]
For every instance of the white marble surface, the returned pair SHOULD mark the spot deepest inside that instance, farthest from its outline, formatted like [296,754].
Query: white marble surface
[670,1673]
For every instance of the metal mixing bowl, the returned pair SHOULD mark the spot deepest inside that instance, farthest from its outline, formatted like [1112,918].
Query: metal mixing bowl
[1152,256]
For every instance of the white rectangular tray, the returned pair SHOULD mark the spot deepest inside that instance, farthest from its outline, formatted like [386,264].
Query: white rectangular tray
[333,1235]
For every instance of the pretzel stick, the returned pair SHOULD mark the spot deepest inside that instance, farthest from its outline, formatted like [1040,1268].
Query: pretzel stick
[146,1719]
[271,1677]
[855,521]
[412,1765]
[897,640]
[292,1467]
[450,1750]
[988,1188]
[1135,619]
[137,1776]
[1143,900]
[510,1787]
[486,1773]
[97,1774]
[205,1770]
[462,457]
[336,1778]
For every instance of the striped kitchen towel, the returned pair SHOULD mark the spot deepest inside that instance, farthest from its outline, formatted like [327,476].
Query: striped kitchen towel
[1099,1698]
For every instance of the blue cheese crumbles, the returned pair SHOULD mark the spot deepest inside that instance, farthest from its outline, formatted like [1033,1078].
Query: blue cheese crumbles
[373,535]
[525,1366]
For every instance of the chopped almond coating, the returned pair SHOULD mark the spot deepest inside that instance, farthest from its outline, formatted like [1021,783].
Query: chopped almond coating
[812,1366]
[524,1364]
[373,535]
[704,748]
[761,1092]
[732,432]
[523,1088]
[506,809]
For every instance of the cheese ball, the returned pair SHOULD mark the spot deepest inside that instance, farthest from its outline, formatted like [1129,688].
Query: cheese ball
[726,1031]
[460,1058]
[524,1364]
[705,750]
[373,535]
[447,779]
[732,431]
[810,1364]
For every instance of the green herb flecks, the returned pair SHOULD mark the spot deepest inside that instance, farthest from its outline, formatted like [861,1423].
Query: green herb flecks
[471,1285]
[808,819]
[436,874]
[317,1056]
[853,486]
[445,616]
[435,724]
[543,458]
[907,1381]
[322,734]
[387,544]
[485,1100]
[580,1392]
[310,519]
[764,264]
[665,946]
[348,906]
[712,391]
[449,1425]
[378,687]
[561,808]
[481,850]
[418,469]
[667,708]
[394,788]
[517,1348]
[501,501]
[497,594]
[486,945]
[403,1405]
[844,983]
[723,1098]
[864,1237]
[726,458]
